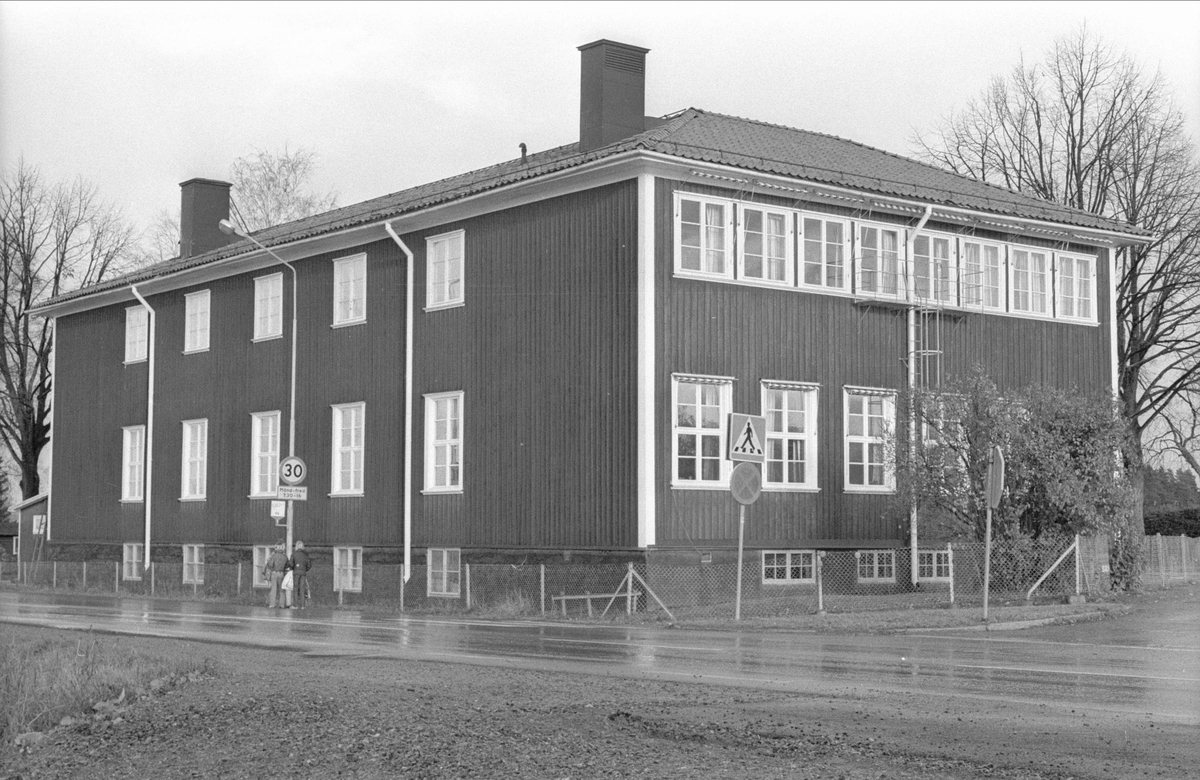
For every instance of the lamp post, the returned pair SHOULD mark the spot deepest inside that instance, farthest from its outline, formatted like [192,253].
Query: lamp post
[229,228]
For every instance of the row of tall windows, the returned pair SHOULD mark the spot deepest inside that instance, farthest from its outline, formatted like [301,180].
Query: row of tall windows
[728,240]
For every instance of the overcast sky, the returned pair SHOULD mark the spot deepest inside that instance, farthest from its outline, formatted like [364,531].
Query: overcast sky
[138,97]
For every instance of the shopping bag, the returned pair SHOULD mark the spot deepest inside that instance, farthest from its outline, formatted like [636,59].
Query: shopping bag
[287,581]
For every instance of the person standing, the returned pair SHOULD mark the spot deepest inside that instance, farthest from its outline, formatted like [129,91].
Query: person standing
[273,571]
[300,564]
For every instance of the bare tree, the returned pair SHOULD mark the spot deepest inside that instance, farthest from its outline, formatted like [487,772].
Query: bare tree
[53,238]
[270,189]
[1089,128]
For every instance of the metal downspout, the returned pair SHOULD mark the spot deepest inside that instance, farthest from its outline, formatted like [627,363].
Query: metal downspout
[149,465]
[408,399]
[912,388]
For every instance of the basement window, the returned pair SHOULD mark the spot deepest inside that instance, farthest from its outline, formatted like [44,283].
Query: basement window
[445,572]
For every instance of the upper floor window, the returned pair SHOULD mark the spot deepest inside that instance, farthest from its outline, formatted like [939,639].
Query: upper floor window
[1030,281]
[133,453]
[196,317]
[983,277]
[791,412]
[766,245]
[824,253]
[348,428]
[934,270]
[264,453]
[870,420]
[703,236]
[702,405]
[195,459]
[268,306]
[1076,287]
[444,261]
[350,290]
[879,256]
[137,329]
[443,442]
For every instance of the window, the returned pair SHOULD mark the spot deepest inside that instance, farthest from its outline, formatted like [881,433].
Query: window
[1076,288]
[876,565]
[983,275]
[933,269]
[350,290]
[791,412]
[264,453]
[702,406]
[444,567]
[348,449]
[268,307]
[879,261]
[131,562]
[137,329]
[1030,274]
[261,553]
[824,253]
[934,565]
[703,236]
[791,566]
[347,569]
[444,266]
[766,245]
[133,449]
[195,459]
[443,442]
[193,564]
[196,316]
[869,418]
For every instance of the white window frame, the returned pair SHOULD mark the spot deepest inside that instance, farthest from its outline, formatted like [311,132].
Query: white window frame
[443,566]
[1067,294]
[444,442]
[261,553]
[867,440]
[197,319]
[824,245]
[193,484]
[137,334]
[133,463]
[353,449]
[131,561]
[709,245]
[350,290]
[724,388]
[264,453]
[877,565]
[934,272]
[347,569]
[976,287]
[441,253]
[774,249]
[1021,281]
[193,564]
[786,562]
[893,267]
[938,564]
[779,418]
[268,307]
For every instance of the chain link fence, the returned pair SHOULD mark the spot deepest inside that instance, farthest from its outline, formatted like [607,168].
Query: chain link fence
[773,583]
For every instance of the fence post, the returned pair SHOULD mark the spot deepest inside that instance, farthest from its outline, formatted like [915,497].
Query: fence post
[467,572]
[542,578]
[54,575]
[820,585]
[85,575]
[117,577]
[1183,554]
[152,578]
[1162,563]
[629,593]
[403,572]
[950,556]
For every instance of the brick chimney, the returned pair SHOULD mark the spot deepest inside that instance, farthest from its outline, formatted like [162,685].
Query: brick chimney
[612,94]
[204,203]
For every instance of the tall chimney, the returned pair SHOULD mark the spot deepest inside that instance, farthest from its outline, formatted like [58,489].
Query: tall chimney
[612,94]
[204,203]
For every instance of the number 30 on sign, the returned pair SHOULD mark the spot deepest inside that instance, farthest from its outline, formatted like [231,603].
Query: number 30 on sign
[292,471]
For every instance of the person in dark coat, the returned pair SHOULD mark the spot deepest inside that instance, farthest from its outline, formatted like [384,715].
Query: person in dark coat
[300,564]
[276,565]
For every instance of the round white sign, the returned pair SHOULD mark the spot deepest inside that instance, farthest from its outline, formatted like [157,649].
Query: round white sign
[292,471]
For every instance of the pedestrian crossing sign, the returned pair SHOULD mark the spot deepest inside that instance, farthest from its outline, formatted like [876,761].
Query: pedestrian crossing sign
[747,438]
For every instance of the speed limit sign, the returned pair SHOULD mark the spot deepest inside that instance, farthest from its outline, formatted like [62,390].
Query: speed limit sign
[292,471]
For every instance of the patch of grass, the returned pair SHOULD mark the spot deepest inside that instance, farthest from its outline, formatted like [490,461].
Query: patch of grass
[512,604]
[46,676]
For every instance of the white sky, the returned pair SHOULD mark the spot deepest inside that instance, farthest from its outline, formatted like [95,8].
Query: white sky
[138,97]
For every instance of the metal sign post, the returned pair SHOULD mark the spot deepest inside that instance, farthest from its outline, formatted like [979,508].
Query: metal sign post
[994,487]
[746,486]
[292,471]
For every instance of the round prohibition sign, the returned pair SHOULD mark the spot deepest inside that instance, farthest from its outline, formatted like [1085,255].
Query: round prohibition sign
[292,471]
[745,483]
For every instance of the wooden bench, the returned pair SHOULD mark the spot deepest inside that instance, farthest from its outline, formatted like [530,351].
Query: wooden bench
[587,596]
